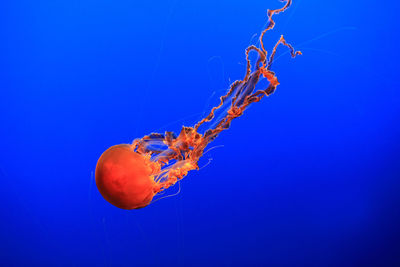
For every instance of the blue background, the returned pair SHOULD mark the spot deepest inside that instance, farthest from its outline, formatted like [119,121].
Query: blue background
[308,177]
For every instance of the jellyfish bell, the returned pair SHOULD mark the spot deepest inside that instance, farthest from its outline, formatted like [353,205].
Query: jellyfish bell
[124,177]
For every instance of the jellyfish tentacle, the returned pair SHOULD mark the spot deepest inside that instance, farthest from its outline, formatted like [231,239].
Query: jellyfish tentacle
[247,78]
[281,40]
[211,115]
[271,24]
[184,151]
[261,55]
[257,96]
[143,145]
[263,59]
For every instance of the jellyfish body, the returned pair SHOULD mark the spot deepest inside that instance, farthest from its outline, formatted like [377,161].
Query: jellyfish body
[123,177]
[130,175]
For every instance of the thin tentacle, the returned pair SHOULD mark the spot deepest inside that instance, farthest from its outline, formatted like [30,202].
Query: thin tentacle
[271,24]
[282,40]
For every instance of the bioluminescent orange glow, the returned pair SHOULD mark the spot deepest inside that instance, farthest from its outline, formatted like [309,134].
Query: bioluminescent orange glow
[130,175]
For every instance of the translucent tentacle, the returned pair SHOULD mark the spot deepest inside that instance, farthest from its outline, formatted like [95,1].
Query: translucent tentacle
[183,152]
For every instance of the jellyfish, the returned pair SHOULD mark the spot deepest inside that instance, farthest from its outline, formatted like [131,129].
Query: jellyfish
[129,175]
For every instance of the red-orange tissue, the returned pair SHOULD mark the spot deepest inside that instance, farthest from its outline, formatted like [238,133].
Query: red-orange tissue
[123,177]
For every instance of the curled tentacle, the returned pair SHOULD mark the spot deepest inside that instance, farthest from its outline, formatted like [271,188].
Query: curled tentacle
[182,152]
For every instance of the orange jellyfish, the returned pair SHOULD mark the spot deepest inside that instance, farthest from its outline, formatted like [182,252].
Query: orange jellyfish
[130,175]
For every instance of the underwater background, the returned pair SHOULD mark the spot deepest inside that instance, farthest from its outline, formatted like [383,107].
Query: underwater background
[309,176]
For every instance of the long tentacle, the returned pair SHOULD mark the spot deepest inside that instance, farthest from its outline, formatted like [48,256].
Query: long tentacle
[282,40]
[271,24]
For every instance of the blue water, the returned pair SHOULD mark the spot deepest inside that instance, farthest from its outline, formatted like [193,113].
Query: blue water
[307,177]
